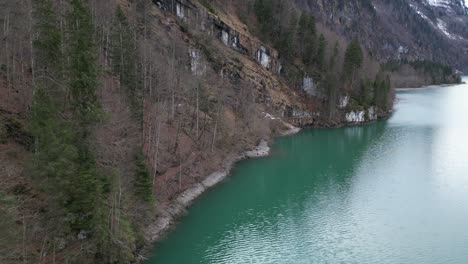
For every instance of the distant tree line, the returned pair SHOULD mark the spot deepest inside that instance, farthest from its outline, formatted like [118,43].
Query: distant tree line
[438,73]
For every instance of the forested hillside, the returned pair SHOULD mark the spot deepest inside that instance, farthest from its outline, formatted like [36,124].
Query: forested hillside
[110,110]
[415,30]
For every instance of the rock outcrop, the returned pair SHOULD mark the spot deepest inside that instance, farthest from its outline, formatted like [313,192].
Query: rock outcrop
[272,91]
[195,15]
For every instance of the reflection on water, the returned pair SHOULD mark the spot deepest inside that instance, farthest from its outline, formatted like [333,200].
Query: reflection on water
[392,192]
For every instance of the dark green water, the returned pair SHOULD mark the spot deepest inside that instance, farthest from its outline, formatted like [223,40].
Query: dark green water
[391,192]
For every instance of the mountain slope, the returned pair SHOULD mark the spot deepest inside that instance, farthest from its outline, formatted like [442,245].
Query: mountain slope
[115,115]
[401,29]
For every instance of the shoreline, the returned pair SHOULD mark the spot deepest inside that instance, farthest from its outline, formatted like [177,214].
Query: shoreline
[169,216]
[432,86]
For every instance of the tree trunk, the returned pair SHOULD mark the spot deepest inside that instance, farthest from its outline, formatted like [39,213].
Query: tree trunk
[7,55]
[24,241]
[197,111]
[155,163]
[173,83]
[215,131]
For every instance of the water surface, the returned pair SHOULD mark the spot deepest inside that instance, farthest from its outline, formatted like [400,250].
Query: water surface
[392,192]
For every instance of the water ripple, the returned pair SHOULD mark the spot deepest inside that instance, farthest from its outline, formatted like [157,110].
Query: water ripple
[395,192]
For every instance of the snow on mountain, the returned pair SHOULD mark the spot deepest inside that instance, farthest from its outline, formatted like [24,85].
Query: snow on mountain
[432,30]
[441,23]
[447,3]
[438,2]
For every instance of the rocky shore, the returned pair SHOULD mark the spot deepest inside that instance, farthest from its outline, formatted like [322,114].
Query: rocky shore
[169,215]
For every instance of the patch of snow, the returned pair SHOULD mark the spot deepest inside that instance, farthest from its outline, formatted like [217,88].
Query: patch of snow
[443,3]
[443,27]
[448,4]
[416,9]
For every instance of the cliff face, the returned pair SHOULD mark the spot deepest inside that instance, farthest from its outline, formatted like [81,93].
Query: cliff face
[244,57]
[432,30]
[257,63]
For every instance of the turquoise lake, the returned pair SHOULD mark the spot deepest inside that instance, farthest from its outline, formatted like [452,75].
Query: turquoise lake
[391,192]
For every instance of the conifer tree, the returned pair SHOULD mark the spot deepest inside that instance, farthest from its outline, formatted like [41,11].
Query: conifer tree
[143,184]
[47,45]
[55,157]
[381,91]
[333,57]
[264,11]
[307,38]
[366,93]
[86,186]
[353,59]
[331,89]
[285,42]
[83,67]
[320,59]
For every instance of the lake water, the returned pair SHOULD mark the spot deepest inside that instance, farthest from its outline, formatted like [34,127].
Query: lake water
[391,192]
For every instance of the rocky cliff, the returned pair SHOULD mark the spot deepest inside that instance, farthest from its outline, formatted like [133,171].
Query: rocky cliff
[430,30]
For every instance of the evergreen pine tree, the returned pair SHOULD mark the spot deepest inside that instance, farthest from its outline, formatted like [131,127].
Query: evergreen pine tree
[307,38]
[47,45]
[55,157]
[264,11]
[333,57]
[381,91]
[143,184]
[321,52]
[331,89]
[86,186]
[353,59]
[366,93]
[83,65]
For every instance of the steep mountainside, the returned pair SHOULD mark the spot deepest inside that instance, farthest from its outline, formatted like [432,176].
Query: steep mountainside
[432,30]
[116,114]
